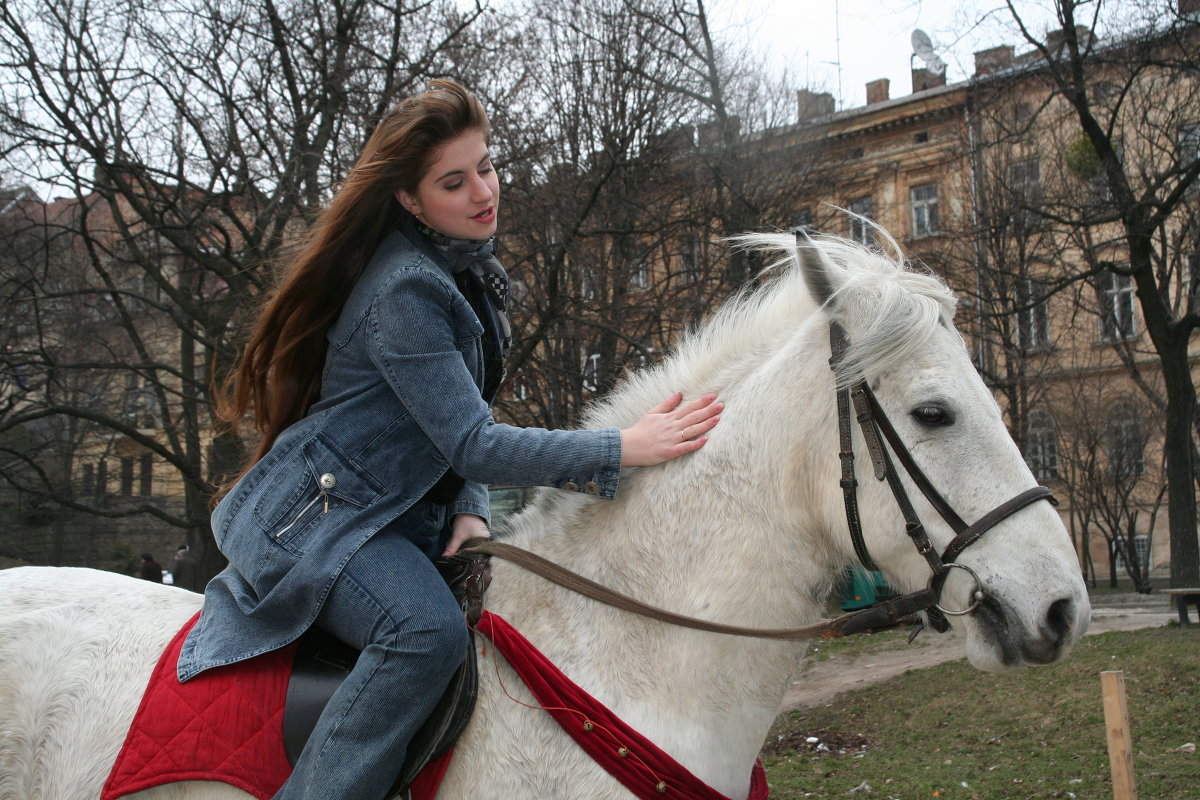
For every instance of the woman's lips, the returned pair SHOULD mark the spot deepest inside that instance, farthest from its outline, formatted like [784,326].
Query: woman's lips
[487,215]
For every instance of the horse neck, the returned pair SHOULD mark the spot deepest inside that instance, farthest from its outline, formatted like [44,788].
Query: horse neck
[722,535]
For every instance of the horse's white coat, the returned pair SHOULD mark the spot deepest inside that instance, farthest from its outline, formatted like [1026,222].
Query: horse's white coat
[750,531]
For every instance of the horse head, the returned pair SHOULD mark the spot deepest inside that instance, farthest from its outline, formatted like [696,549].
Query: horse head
[1018,577]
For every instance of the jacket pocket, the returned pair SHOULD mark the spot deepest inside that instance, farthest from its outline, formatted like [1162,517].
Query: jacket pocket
[317,480]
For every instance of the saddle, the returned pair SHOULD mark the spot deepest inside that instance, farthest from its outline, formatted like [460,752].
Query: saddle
[322,662]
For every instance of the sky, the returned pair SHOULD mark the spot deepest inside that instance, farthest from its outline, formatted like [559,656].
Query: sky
[871,38]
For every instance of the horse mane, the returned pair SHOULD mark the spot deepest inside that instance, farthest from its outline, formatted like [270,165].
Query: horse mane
[889,307]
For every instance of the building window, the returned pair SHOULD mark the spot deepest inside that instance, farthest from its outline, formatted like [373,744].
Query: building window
[1033,316]
[689,258]
[641,355]
[591,372]
[1025,188]
[802,221]
[517,290]
[588,284]
[1041,447]
[1189,150]
[1116,306]
[519,385]
[132,401]
[1141,551]
[127,477]
[924,210]
[860,216]
[1126,441]
[1191,277]
[1098,183]
[139,404]
[1103,90]
[101,478]
[89,480]
[146,475]
[639,276]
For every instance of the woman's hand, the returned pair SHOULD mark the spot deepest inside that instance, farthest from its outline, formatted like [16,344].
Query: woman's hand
[669,430]
[462,528]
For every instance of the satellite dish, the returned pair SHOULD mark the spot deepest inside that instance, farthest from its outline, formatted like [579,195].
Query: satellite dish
[923,49]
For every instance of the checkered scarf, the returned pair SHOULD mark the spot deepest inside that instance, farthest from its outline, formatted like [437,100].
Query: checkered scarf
[478,256]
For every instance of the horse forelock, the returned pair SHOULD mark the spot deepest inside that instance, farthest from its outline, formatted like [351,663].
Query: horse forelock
[889,309]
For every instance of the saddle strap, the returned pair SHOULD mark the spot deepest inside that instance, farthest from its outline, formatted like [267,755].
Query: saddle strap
[881,616]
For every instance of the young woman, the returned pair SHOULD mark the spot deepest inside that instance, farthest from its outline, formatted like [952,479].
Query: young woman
[370,375]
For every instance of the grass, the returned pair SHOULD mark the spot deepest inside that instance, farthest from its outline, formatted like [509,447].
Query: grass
[861,644]
[954,732]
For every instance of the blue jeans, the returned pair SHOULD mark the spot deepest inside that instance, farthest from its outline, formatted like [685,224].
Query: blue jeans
[390,602]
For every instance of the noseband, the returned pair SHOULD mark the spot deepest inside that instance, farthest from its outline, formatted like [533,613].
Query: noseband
[876,428]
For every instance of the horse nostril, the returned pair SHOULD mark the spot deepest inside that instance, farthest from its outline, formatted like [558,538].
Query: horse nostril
[1060,618]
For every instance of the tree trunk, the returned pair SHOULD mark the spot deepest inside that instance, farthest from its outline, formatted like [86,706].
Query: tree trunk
[1181,496]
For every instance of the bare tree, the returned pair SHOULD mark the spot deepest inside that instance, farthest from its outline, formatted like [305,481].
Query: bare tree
[1124,111]
[189,142]
[630,156]
[1114,485]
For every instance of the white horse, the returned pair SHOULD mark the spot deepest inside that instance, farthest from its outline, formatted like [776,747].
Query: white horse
[750,530]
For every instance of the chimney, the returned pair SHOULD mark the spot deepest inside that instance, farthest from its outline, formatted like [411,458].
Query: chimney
[923,79]
[877,91]
[993,60]
[812,104]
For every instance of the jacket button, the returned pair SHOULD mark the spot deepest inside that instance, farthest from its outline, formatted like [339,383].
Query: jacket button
[591,487]
[571,486]
[327,481]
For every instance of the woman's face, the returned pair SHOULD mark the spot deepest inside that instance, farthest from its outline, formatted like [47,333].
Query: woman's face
[460,192]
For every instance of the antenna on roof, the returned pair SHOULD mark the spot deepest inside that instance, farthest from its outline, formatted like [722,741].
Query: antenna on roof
[923,49]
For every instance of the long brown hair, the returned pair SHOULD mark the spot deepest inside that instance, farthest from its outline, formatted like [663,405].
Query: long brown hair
[279,374]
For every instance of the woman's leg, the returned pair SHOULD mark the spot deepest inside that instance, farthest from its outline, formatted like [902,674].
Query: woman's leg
[393,604]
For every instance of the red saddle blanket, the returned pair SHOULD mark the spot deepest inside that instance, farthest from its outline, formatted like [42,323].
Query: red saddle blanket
[225,725]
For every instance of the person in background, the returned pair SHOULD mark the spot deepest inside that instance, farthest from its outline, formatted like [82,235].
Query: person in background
[370,375]
[150,570]
[185,572]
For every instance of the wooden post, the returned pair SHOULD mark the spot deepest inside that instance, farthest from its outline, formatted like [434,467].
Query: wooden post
[1120,742]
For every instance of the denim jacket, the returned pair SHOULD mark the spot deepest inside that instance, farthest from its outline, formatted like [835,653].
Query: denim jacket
[400,405]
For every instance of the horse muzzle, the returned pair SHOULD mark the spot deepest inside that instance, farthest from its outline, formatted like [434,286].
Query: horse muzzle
[1004,641]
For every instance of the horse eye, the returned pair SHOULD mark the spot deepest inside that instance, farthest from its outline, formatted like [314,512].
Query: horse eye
[933,415]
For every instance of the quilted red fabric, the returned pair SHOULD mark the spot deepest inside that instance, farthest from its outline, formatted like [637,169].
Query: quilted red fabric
[225,725]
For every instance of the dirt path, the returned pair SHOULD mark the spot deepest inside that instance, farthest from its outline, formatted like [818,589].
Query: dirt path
[824,680]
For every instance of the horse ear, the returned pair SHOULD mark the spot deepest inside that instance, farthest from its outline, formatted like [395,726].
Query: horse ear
[820,274]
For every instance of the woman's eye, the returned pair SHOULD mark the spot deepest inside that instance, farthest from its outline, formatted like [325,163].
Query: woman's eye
[450,187]
[932,415]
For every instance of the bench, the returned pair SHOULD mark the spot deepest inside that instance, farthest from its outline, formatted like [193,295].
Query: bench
[1182,598]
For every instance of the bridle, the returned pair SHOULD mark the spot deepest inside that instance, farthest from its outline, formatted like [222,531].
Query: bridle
[876,427]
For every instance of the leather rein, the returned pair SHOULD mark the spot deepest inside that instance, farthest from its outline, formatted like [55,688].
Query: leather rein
[875,427]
